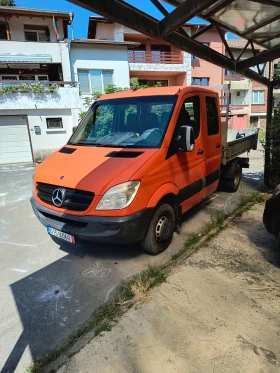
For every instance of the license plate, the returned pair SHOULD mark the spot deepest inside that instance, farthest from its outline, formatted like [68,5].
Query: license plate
[63,236]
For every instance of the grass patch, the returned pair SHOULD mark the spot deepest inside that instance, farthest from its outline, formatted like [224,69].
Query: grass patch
[136,291]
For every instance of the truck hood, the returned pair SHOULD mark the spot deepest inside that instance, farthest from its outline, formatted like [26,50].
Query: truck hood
[93,169]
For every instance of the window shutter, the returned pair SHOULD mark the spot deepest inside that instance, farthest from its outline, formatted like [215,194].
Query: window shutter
[84,81]
[95,79]
[107,78]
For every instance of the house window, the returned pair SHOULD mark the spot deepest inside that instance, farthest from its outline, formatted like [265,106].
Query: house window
[258,97]
[152,83]
[254,121]
[3,31]
[197,58]
[26,78]
[36,33]
[54,123]
[200,81]
[231,73]
[94,80]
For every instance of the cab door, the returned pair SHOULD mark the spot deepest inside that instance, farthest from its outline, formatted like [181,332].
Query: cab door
[212,144]
[188,167]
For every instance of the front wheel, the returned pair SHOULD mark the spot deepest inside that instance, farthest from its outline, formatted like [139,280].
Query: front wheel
[160,231]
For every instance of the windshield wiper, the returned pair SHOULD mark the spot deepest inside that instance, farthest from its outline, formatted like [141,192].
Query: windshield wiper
[82,143]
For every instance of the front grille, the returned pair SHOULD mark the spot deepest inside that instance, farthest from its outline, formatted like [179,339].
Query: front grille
[77,200]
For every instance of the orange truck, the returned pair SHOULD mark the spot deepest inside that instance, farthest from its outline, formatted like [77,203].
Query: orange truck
[137,161]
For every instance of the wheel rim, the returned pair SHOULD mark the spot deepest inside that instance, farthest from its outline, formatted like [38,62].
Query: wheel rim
[163,229]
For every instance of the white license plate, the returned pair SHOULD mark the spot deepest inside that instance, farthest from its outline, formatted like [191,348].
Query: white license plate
[63,236]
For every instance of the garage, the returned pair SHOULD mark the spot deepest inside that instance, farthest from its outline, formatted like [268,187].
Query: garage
[14,140]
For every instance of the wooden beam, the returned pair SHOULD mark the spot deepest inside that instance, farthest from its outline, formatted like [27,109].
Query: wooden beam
[181,14]
[222,36]
[202,31]
[267,2]
[162,9]
[216,9]
[262,57]
[258,26]
[243,50]
[127,15]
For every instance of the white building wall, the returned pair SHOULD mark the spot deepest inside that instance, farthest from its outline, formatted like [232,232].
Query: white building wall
[101,57]
[49,140]
[64,98]
[16,26]
[30,47]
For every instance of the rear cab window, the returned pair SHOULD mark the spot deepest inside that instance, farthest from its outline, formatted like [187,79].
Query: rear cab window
[212,116]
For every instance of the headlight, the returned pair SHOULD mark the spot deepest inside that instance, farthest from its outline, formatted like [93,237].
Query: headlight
[119,196]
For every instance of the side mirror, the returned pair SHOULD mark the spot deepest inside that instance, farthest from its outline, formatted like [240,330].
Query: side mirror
[186,140]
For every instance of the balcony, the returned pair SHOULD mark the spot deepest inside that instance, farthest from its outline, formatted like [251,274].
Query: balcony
[234,77]
[43,95]
[156,61]
[157,58]
[42,52]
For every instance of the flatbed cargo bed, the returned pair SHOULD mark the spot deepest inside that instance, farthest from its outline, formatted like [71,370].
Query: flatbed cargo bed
[237,142]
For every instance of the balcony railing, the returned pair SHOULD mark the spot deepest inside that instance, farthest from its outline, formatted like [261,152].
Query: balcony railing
[156,58]
[234,77]
[44,83]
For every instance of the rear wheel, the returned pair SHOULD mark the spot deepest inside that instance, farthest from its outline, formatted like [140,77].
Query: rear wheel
[278,242]
[160,231]
[232,184]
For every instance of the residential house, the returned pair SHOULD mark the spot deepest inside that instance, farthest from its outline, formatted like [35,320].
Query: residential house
[203,72]
[149,60]
[248,98]
[34,50]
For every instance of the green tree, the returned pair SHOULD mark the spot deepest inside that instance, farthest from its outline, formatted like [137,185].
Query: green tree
[95,95]
[274,148]
[276,74]
[7,3]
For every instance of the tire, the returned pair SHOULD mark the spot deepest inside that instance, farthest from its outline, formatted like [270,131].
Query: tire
[278,242]
[231,185]
[160,231]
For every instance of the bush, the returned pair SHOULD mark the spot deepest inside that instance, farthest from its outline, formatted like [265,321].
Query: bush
[273,146]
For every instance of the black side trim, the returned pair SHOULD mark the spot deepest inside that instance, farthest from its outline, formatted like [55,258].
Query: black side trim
[211,178]
[67,150]
[190,191]
[123,154]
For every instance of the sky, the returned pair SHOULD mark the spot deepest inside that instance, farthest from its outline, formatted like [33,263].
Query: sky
[82,15]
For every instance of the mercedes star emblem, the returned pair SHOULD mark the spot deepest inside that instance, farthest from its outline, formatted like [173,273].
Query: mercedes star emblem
[58,197]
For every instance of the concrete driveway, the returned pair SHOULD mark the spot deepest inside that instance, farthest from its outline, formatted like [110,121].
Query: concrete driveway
[49,290]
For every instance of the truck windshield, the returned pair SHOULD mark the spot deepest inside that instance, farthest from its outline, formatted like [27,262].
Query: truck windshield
[138,122]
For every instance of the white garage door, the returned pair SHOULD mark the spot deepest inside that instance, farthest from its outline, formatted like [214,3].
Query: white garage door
[14,140]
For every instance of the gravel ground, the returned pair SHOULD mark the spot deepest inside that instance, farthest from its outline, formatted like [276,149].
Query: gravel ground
[218,312]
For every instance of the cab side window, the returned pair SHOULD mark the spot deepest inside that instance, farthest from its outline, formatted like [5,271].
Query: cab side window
[212,116]
[190,115]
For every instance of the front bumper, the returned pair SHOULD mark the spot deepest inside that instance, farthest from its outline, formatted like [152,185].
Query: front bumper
[106,229]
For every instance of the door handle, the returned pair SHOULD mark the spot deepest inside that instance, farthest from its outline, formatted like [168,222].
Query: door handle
[218,146]
[200,152]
